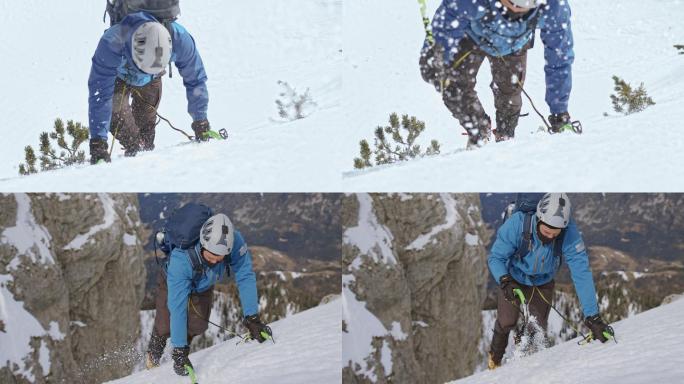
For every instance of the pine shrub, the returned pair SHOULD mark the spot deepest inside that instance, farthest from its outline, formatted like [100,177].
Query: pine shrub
[391,146]
[293,105]
[68,140]
[628,100]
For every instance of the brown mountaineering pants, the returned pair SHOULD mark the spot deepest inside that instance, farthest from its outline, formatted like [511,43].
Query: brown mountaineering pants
[134,115]
[202,302]
[461,98]
[507,315]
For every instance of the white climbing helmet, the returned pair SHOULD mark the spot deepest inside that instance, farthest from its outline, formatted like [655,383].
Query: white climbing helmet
[151,47]
[216,235]
[526,3]
[554,209]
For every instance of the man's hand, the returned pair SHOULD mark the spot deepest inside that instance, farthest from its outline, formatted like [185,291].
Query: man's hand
[258,330]
[508,286]
[181,360]
[599,330]
[99,151]
[560,122]
[201,129]
[432,66]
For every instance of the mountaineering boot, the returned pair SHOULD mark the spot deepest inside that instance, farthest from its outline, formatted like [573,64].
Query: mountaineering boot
[155,349]
[501,135]
[491,364]
[181,360]
[477,137]
[497,348]
[99,151]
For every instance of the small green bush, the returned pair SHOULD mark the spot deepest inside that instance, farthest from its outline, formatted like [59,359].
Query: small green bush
[50,158]
[401,149]
[627,100]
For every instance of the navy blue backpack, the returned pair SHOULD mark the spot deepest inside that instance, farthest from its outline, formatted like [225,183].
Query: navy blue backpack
[527,204]
[182,230]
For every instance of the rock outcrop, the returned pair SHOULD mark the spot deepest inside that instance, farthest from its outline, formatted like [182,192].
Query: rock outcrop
[414,276]
[73,264]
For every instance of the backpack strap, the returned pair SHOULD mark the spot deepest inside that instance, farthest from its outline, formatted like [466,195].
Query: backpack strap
[196,262]
[558,247]
[526,242]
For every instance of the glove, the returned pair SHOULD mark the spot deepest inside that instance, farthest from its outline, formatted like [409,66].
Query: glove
[507,285]
[180,360]
[598,328]
[560,122]
[201,128]
[432,66]
[99,151]
[256,328]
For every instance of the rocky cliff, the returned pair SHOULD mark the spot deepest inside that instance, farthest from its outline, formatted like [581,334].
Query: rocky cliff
[413,273]
[72,279]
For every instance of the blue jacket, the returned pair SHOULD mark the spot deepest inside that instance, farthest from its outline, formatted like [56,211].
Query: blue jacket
[539,266]
[179,279]
[113,59]
[495,34]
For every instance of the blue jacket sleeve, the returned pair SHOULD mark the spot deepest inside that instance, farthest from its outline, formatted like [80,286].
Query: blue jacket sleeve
[103,72]
[556,33]
[191,68]
[179,283]
[576,256]
[241,264]
[450,23]
[505,245]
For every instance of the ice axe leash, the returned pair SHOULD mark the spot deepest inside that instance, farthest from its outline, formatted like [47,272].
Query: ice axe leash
[268,334]
[574,126]
[585,338]
[222,134]
[192,305]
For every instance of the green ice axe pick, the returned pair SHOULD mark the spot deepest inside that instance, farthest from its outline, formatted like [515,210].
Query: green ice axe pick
[191,373]
[518,292]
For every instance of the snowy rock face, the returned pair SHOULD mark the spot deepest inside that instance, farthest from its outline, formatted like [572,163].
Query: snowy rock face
[72,279]
[413,272]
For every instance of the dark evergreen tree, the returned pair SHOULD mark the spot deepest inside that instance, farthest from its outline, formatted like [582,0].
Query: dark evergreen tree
[628,100]
[402,147]
[66,154]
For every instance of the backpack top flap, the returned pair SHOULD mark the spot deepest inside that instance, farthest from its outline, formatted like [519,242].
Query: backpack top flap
[161,9]
[184,225]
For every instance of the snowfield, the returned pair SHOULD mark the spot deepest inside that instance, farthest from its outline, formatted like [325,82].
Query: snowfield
[649,350]
[247,47]
[307,350]
[631,39]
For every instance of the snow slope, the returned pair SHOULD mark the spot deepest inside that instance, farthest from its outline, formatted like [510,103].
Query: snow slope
[649,349]
[640,152]
[307,350]
[247,46]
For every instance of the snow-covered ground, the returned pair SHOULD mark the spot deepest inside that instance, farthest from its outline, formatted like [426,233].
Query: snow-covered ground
[649,350]
[630,39]
[307,350]
[246,46]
